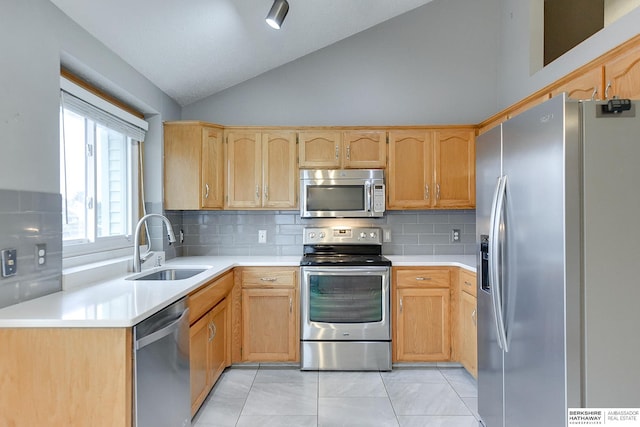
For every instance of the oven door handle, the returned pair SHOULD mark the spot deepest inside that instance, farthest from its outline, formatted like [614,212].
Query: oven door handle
[342,271]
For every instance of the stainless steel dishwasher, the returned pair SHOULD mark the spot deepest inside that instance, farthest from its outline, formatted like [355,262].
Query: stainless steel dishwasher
[161,368]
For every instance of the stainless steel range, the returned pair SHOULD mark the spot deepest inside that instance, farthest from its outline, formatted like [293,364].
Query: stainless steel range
[345,307]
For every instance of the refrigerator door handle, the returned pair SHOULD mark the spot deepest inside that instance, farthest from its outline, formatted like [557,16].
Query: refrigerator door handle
[492,251]
[497,284]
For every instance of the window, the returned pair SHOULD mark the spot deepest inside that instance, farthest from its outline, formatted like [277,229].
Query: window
[98,173]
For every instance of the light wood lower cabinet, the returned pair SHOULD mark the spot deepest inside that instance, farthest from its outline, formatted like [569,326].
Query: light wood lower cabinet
[66,377]
[209,336]
[468,329]
[421,314]
[270,331]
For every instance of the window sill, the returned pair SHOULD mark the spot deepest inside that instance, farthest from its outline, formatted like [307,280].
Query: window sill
[93,273]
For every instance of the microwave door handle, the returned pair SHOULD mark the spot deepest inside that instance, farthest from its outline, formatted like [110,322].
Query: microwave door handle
[368,190]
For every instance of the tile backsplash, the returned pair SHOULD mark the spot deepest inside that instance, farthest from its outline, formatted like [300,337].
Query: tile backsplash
[27,219]
[236,232]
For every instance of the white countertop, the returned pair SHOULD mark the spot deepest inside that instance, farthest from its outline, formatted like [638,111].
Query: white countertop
[124,303]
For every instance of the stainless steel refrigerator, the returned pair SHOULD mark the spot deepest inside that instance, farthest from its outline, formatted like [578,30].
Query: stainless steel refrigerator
[558,233]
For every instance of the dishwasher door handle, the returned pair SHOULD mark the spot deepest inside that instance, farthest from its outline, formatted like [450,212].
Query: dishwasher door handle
[161,333]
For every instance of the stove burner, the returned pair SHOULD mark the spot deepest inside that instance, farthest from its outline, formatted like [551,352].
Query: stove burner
[344,260]
[357,247]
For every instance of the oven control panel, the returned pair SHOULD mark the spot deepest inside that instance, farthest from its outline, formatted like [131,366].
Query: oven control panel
[342,235]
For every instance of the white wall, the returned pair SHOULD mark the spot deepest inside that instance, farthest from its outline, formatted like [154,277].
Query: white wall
[435,64]
[517,77]
[35,36]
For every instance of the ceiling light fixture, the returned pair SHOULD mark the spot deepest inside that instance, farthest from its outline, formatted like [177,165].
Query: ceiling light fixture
[276,15]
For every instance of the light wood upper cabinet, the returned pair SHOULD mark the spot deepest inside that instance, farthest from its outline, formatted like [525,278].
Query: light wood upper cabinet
[421,314]
[244,170]
[270,331]
[193,166]
[364,149]
[319,149]
[410,169]
[583,87]
[431,169]
[279,170]
[454,169]
[622,75]
[350,149]
[261,170]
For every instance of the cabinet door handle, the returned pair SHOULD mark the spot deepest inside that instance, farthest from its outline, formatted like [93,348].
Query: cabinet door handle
[467,284]
[206,192]
[426,192]
[268,279]
[257,192]
[423,278]
[473,317]
[348,152]
[595,92]
[212,331]
[337,152]
[400,305]
[290,305]
[266,192]
[437,191]
[606,90]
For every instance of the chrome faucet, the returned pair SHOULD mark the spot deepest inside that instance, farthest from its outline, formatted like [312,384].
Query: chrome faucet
[136,239]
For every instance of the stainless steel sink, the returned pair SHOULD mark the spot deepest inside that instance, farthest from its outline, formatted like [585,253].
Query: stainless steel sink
[168,274]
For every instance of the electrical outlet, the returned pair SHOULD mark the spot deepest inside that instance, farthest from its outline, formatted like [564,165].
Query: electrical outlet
[386,236]
[262,236]
[455,235]
[41,254]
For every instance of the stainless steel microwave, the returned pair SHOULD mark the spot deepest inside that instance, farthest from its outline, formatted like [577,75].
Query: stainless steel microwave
[342,193]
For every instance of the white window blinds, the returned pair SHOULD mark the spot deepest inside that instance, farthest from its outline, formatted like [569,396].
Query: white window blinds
[87,104]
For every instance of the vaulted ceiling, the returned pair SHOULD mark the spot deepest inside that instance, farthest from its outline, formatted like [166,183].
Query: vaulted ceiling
[193,49]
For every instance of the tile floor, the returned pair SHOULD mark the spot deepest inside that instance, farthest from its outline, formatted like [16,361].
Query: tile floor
[287,397]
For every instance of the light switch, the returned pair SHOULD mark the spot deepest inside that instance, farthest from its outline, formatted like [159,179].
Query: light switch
[9,262]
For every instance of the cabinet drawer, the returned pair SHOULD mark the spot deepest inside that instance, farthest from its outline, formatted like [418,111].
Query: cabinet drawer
[208,296]
[432,278]
[268,277]
[468,282]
